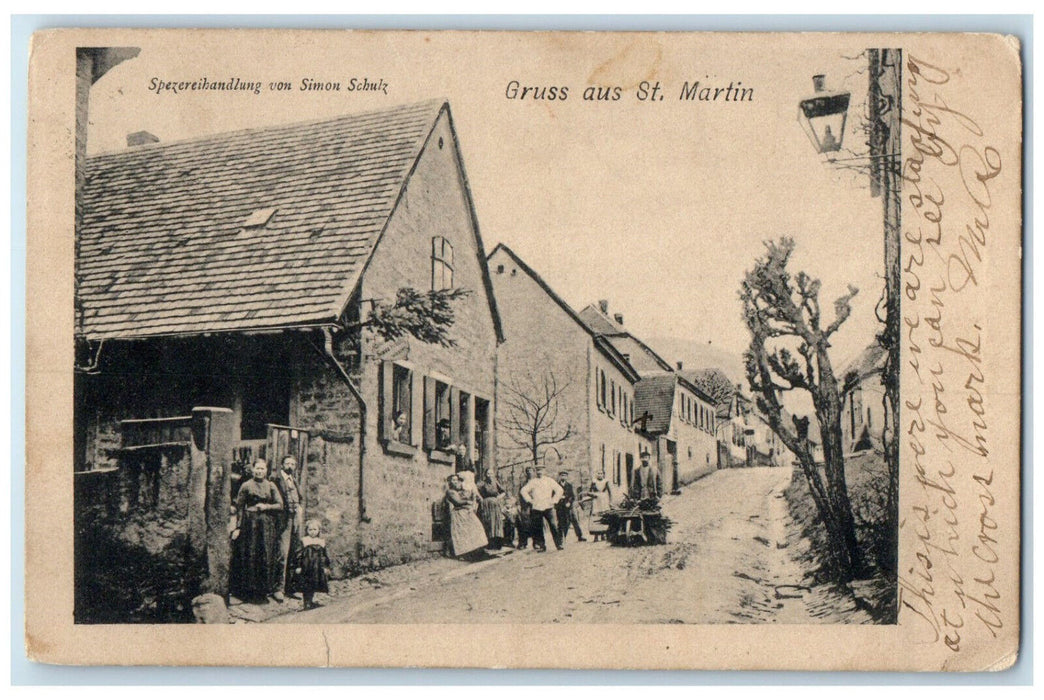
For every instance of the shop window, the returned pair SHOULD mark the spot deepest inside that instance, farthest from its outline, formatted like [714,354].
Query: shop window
[441,264]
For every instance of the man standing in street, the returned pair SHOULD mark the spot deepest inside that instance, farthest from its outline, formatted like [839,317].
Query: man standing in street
[646,481]
[542,493]
[290,525]
[566,510]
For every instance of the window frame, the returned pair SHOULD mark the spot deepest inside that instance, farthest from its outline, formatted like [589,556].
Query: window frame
[441,264]
[395,376]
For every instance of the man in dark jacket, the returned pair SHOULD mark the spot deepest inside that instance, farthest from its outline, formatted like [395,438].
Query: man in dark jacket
[566,509]
[646,481]
[293,513]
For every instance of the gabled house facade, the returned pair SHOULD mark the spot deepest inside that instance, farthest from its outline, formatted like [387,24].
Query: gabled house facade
[550,353]
[233,271]
[863,409]
[675,415]
[679,418]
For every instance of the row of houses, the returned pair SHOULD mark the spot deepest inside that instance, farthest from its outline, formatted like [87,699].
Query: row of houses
[615,399]
[222,288]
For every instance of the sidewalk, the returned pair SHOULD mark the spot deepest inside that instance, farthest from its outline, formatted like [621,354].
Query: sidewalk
[366,590]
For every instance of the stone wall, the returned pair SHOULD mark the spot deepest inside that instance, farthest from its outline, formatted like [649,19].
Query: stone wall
[323,405]
[152,534]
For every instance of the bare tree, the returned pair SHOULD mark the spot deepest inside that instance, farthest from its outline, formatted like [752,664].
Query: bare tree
[531,417]
[788,352]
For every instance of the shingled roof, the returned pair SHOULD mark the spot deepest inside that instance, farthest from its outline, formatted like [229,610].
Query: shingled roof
[869,361]
[175,238]
[642,357]
[654,394]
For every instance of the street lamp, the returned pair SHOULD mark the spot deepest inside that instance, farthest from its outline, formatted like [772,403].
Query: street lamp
[823,116]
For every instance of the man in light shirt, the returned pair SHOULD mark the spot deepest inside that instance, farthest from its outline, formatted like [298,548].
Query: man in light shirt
[542,493]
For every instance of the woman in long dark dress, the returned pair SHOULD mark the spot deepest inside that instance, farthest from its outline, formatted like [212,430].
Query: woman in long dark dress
[491,510]
[254,572]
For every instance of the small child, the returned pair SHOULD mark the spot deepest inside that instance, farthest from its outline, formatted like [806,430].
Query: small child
[311,566]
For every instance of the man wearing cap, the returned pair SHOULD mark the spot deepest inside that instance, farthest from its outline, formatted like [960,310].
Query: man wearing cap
[542,493]
[646,481]
[566,509]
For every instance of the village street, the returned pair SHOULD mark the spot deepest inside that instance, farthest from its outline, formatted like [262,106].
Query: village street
[729,559]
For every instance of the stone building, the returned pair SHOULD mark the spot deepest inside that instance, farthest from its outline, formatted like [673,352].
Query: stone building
[548,345]
[232,271]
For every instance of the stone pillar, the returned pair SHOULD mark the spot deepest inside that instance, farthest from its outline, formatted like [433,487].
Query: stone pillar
[209,485]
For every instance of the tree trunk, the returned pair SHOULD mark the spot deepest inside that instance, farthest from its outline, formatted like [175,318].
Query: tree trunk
[828,411]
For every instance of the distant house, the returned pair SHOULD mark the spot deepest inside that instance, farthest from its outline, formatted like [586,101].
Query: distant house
[863,409]
[673,413]
[732,420]
[745,437]
[549,352]
[232,271]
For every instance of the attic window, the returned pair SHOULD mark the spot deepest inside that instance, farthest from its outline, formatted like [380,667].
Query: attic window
[441,264]
[259,218]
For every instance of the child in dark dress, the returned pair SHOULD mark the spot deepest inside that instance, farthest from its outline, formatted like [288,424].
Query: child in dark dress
[311,566]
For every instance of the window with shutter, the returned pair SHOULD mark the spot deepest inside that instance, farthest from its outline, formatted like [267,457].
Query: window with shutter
[443,416]
[430,420]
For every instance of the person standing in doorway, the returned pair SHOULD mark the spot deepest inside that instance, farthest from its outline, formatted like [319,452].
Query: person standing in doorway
[542,493]
[290,522]
[566,509]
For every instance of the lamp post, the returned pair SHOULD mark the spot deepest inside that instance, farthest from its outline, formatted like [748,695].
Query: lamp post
[824,116]
[884,112]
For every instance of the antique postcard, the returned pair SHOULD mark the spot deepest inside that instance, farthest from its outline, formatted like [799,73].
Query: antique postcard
[524,349]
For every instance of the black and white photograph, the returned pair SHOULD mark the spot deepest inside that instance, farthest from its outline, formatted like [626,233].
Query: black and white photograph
[585,332]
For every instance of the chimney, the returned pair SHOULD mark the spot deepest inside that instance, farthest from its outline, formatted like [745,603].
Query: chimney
[619,318]
[679,365]
[603,304]
[140,138]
